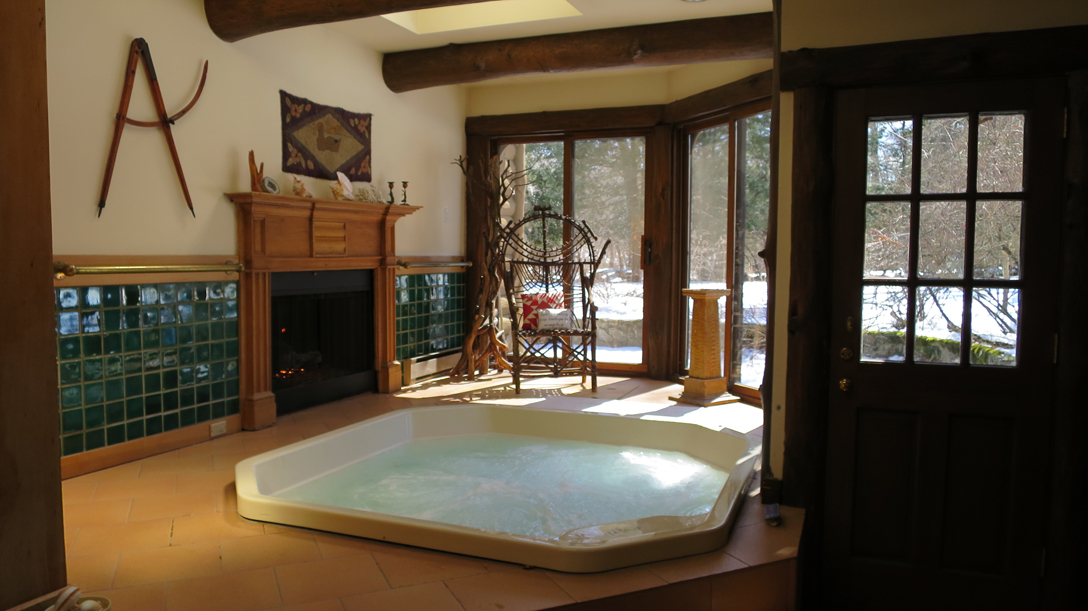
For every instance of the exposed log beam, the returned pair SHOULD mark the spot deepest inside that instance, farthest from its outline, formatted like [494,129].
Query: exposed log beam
[234,20]
[961,58]
[662,44]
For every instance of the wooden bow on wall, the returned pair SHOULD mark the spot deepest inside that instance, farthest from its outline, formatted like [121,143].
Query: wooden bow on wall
[140,49]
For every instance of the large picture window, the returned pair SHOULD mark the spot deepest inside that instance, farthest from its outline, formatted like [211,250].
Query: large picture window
[727,192]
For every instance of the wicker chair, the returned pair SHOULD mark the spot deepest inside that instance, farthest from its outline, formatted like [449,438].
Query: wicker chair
[549,265]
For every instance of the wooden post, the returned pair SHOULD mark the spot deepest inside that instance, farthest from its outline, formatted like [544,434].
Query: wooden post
[705,384]
[31,531]
[258,404]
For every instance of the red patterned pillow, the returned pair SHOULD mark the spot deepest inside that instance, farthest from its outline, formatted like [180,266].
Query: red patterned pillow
[532,302]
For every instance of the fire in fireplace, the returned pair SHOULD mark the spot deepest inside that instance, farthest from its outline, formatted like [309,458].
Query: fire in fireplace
[322,337]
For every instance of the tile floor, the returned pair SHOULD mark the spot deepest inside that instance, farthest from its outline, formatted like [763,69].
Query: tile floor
[162,534]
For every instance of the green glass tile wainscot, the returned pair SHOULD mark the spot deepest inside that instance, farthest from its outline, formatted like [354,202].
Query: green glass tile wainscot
[430,313]
[142,359]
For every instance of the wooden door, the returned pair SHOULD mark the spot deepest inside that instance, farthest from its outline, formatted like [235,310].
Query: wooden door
[946,219]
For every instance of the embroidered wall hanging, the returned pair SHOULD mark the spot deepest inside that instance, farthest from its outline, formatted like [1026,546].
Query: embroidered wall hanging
[321,140]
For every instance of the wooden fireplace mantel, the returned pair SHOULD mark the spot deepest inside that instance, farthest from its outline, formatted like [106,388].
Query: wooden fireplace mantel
[280,233]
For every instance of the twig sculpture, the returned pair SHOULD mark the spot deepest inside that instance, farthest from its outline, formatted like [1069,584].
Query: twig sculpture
[482,342]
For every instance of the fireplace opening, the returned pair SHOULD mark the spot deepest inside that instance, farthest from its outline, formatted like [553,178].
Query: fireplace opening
[322,337]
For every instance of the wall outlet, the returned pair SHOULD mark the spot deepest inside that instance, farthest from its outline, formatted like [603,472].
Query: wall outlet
[219,428]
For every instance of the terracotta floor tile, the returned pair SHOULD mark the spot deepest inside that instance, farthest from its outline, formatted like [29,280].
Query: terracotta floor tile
[337,546]
[226,500]
[176,465]
[212,527]
[318,580]
[247,553]
[245,591]
[423,597]
[759,543]
[139,598]
[132,488]
[592,586]
[171,506]
[692,567]
[203,482]
[508,590]
[101,538]
[260,446]
[126,471]
[102,512]
[321,605]
[409,567]
[751,512]
[94,572]
[167,564]
[70,533]
[768,586]
[77,491]
[227,462]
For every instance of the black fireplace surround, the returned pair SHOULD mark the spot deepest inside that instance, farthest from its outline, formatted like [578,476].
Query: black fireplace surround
[322,337]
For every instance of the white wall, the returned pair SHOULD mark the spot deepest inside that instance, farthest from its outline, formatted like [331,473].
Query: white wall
[415,136]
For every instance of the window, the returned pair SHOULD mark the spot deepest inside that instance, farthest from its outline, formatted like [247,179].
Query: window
[727,192]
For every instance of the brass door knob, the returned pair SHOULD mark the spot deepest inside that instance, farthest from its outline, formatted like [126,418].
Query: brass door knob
[844,384]
[846,354]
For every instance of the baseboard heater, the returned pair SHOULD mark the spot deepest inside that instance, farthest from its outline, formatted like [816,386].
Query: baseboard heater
[427,366]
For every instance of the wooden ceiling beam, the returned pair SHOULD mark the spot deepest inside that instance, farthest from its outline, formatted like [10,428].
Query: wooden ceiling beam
[662,44]
[233,20]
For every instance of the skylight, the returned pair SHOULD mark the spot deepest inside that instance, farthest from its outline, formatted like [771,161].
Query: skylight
[468,16]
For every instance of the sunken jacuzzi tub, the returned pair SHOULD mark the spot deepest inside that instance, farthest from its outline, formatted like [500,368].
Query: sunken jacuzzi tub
[565,491]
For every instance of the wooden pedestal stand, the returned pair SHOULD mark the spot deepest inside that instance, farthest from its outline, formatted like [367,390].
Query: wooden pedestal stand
[705,385]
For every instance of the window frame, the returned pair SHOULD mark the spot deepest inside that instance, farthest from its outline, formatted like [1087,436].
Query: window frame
[682,173]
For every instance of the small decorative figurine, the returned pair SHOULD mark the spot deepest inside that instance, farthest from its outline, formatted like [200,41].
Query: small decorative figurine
[256,175]
[342,188]
[299,188]
[404,196]
[392,199]
[368,193]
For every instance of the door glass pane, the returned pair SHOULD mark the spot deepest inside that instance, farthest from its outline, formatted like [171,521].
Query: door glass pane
[997,240]
[944,154]
[609,195]
[1000,153]
[890,156]
[708,214]
[995,318]
[938,324]
[544,189]
[941,239]
[883,323]
[749,297]
[887,240]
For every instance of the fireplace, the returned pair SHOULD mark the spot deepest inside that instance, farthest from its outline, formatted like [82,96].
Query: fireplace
[322,337]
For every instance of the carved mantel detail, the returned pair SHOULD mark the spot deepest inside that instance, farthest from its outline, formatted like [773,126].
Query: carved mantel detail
[281,233]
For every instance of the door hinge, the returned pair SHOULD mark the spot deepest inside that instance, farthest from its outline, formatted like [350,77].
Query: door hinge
[1055,348]
[1042,563]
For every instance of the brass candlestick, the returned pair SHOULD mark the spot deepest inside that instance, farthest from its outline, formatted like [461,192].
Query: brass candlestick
[404,196]
[392,199]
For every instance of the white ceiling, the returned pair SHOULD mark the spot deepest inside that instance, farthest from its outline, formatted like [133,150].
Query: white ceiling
[385,36]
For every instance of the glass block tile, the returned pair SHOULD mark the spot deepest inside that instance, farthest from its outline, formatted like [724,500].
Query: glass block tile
[187,397]
[170,357]
[167,316]
[216,310]
[130,295]
[169,336]
[232,369]
[216,331]
[134,386]
[134,429]
[90,322]
[203,393]
[134,363]
[218,351]
[232,407]
[68,323]
[115,412]
[111,296]
[170,421]
[113,343]
[232,388]
[94,417]
[71,396]
[93,393]
[167,293]
[230,309]
[185,314]
[218,391]
[219,371]
[203,413]
[152,405]
[68,348]
[202,333]
[91,296]
[114,366]
[188,416]
[115,434]
[149,317]
[152,360]
[201,312]
[133,341]
[185,335]
[72,444]
[131,318]
[134,408]
[68,298]
[170,401]
[71,372]
[230,329]
[149,294]
[111,320]
[184,292]
[115,389]
[152,382]
[92,345]
[170,379]
[219,409]
[186,356]
[71,420]
[94,440]
[203,352]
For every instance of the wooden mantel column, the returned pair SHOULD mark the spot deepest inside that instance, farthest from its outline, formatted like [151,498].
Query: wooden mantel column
[282,233]
[705,384]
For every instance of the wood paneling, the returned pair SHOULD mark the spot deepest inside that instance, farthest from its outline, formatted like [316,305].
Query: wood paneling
[233,20]
[258,404]
[31,533]
[661,44]
[102,458]
[1068,532]
[661,353]
[959,58]
[884,480]
[810,299]
[565,121]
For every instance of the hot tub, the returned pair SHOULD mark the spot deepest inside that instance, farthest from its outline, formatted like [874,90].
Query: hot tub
[566,491]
